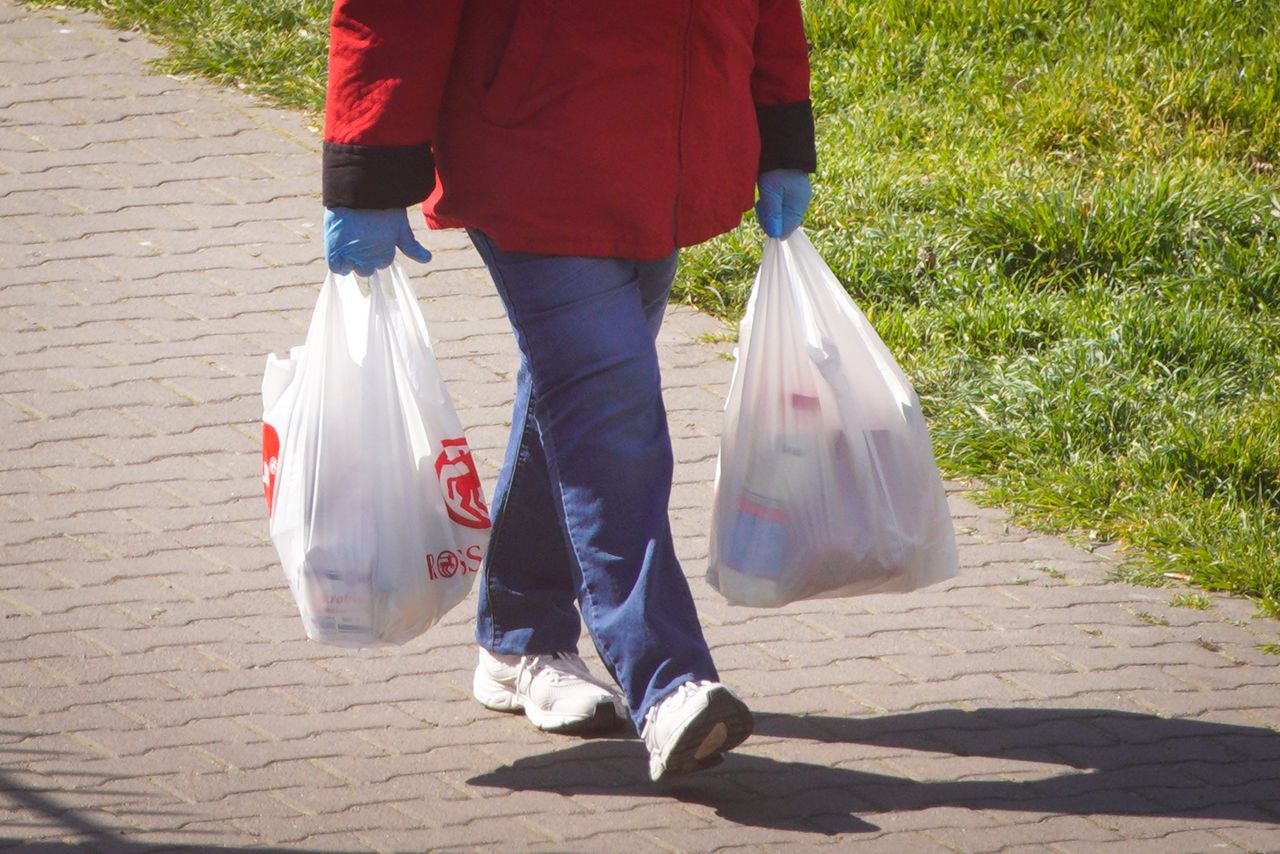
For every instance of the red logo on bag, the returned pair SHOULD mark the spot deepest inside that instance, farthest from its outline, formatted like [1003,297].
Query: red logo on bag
[462,496]
[270,462]
[447,564]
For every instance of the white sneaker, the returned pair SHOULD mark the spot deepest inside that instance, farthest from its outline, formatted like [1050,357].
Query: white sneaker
[692,727]
[556,692]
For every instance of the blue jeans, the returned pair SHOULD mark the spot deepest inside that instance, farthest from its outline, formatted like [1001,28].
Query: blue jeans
[580,508]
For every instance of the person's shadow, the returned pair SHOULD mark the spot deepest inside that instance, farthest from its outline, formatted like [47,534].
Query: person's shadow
[1122,764]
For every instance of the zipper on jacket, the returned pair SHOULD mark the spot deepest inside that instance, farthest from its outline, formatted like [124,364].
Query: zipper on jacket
[684,93]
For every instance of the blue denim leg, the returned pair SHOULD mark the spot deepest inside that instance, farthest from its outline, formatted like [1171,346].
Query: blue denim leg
[581,506]
[527,592]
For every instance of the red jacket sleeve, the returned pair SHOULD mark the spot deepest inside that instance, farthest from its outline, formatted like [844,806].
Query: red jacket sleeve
[388,62]
[780,87]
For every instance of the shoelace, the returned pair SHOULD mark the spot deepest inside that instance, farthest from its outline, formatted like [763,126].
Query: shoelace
[559,665]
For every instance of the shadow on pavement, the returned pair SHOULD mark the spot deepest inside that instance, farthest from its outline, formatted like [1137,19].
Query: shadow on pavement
[46,810]
[1121,764]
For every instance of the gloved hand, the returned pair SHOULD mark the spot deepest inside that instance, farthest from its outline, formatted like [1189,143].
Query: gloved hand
[784,197]
[366,240]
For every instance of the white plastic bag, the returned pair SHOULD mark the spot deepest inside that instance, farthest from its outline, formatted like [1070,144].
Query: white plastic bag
[375,504]
[826,483]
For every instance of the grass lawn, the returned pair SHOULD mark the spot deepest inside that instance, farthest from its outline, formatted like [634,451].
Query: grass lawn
[1062,215]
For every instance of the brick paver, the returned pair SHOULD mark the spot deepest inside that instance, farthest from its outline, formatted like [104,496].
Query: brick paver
[158,238]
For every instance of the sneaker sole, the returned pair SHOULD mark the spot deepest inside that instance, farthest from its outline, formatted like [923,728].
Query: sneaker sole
[721,725]
[605,718]
[496,696]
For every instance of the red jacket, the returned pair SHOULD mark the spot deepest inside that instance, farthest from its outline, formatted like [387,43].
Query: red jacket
[570,127]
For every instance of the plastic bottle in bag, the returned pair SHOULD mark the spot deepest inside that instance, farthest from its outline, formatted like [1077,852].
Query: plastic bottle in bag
[757,547]
[764,541]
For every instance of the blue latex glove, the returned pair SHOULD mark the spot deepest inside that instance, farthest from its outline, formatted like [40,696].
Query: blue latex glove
[366,240]
[784,197]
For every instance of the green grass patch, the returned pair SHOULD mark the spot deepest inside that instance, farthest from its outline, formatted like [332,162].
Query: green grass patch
[1194,601]
[1151,619]
[1063,217]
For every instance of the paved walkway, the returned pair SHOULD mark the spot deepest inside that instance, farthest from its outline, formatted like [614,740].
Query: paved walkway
[158,238]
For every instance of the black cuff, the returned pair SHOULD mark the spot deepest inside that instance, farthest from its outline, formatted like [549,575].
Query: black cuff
[787,137]
[367,176]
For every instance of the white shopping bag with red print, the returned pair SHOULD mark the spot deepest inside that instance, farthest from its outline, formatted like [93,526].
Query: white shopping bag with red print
[826,483]
[375,505]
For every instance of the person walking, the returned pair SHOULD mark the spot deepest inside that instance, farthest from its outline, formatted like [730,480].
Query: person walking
[581,144]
